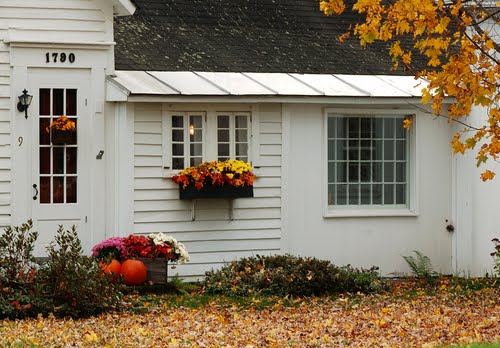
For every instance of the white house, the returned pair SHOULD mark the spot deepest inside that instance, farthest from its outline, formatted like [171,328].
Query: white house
[321,122]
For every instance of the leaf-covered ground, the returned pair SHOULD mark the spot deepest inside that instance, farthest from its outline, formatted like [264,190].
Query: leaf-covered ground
[397,319]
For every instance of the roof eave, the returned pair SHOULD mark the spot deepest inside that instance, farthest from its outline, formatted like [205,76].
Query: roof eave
[397,102]
[123,7]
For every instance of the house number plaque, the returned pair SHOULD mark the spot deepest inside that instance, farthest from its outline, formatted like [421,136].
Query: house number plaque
[61,57]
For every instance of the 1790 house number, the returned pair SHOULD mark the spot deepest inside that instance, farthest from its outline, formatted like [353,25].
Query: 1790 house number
[59,57]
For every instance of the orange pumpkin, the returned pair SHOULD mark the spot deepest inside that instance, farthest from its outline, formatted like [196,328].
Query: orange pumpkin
[134,272]
[113,268]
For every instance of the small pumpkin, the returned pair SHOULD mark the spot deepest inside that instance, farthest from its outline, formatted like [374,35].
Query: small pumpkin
[113,268]
[134,272]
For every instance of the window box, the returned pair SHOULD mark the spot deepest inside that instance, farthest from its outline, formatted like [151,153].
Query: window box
[226,179]
[228,192]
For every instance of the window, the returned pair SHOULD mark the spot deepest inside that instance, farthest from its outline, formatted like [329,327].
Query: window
[187,140]
[368,161]
[195,137]
[58,172]
[232,136]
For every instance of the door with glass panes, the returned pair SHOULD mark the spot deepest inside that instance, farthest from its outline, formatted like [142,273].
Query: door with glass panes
[59,174]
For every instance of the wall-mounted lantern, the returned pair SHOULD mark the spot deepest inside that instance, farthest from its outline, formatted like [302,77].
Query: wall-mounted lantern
[24,102]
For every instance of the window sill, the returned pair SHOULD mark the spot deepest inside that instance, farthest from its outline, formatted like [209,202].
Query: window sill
[168,173]
[337,213]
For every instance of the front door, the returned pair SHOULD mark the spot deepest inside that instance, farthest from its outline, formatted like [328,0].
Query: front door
[59,174]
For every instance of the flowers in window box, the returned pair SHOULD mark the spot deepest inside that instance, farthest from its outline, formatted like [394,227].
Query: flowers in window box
[62,123]
[234,173]
[111,248]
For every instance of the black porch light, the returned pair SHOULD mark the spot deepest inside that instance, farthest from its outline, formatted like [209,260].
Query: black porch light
[24,102]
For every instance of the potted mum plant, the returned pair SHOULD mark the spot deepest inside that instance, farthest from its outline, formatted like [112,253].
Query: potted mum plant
[145,258]
[218,179]
[156,250]
[62,131]
[111,252]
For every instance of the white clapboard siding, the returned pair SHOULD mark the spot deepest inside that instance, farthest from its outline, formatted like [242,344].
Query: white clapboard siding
[267,192]
[232,245]
[4,122]
[211,235]
[219,232]
[56,20]
[174,204]
[5,187]
[223,256]
[151,161]
[175,227]
[4,91]
[4,58]
[154,195]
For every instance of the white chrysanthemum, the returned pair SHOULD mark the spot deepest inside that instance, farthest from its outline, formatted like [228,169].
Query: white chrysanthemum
[182,252]
[178,248]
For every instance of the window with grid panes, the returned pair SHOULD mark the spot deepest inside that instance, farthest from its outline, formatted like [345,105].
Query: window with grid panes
[232,136]
[368,161]
[187,140]
[196,137]
[58,172]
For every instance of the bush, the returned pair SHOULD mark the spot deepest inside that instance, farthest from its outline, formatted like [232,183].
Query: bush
[67,284]
[18,268]
[283,275]
[17,263]
[74,284]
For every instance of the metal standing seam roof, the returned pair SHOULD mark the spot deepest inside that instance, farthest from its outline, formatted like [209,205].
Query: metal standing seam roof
[188,83]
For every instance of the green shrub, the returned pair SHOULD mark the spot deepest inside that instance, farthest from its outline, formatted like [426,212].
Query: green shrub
[18,302]
[17,263]
[283,275]
[73,284]
[18,268]
[68,283]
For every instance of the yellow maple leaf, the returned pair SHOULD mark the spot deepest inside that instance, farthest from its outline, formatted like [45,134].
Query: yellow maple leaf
[487,175]
[90,336]
[407,123]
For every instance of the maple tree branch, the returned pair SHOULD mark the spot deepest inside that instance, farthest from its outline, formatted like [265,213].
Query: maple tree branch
[497,48]
[422,109]
[481,32]
[487,17]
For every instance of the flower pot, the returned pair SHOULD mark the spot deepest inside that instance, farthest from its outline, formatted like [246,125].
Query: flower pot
[63,137]
[227,191]
[157,270]
[134,272]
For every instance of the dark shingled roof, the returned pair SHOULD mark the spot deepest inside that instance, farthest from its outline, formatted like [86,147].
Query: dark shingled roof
[242,36]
